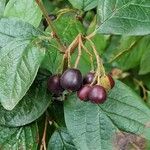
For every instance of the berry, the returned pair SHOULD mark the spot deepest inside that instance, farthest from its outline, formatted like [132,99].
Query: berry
[71,79]
[97,94]
[54,85]
[111,81]
[83,93]
[88,79]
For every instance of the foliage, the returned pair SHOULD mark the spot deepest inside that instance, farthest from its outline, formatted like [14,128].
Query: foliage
[32,117]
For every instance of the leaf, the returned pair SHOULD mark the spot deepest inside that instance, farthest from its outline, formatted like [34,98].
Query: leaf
[68,28]
[19,46]
[95,126]
[58,116]
[144,66]
[61,140]
[31,107]
[2,7]
[14,28]
[19,138]
[129,17]
[130,51]
[53,57]
[84,4]
[26,10]
[20,61]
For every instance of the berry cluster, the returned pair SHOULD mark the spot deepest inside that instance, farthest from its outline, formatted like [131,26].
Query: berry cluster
[87,88]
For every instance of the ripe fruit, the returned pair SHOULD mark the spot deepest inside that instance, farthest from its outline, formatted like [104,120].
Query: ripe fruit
[88,78]
[83,93]
[54,85]
[111,80]
[71,79]
[97,94]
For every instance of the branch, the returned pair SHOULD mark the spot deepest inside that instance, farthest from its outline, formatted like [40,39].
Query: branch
[55,35]
[43,143]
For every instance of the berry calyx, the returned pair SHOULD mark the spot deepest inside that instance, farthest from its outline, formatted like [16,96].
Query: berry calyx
[111,81]
[97,94]
[54,86]
[71,80]
[88,79]
[83,93]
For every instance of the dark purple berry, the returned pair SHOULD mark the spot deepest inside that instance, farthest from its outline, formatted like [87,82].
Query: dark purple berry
[88,79]
[83,93]
[71,79]
[111,80]
[54,85]
[97,94]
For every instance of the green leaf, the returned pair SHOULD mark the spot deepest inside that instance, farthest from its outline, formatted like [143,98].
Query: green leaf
[144,66]
[95,126]
[31,107]
[19,138]
[128,17]
[84,4]
[21,55]
[61,140]
[14,28]
[20,61]
[130,51]
[68,27]
[53,57]
[26,10]
[2,7]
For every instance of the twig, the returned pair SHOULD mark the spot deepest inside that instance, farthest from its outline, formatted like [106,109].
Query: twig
[69,51]
[91,35]
[43,143]
[79,52]
[100,67]
[140,83]
[55,35]
[90,55]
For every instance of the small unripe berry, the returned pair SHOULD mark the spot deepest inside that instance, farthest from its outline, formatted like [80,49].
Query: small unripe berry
[107,82]
[83,93]
[71,80]
[97,94]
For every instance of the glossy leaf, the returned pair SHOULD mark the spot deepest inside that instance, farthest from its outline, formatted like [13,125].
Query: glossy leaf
[84,4]
[95,126]
[26,10]
[19,138]
[128,17]
[61,140]
[20,61]
[31,107]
